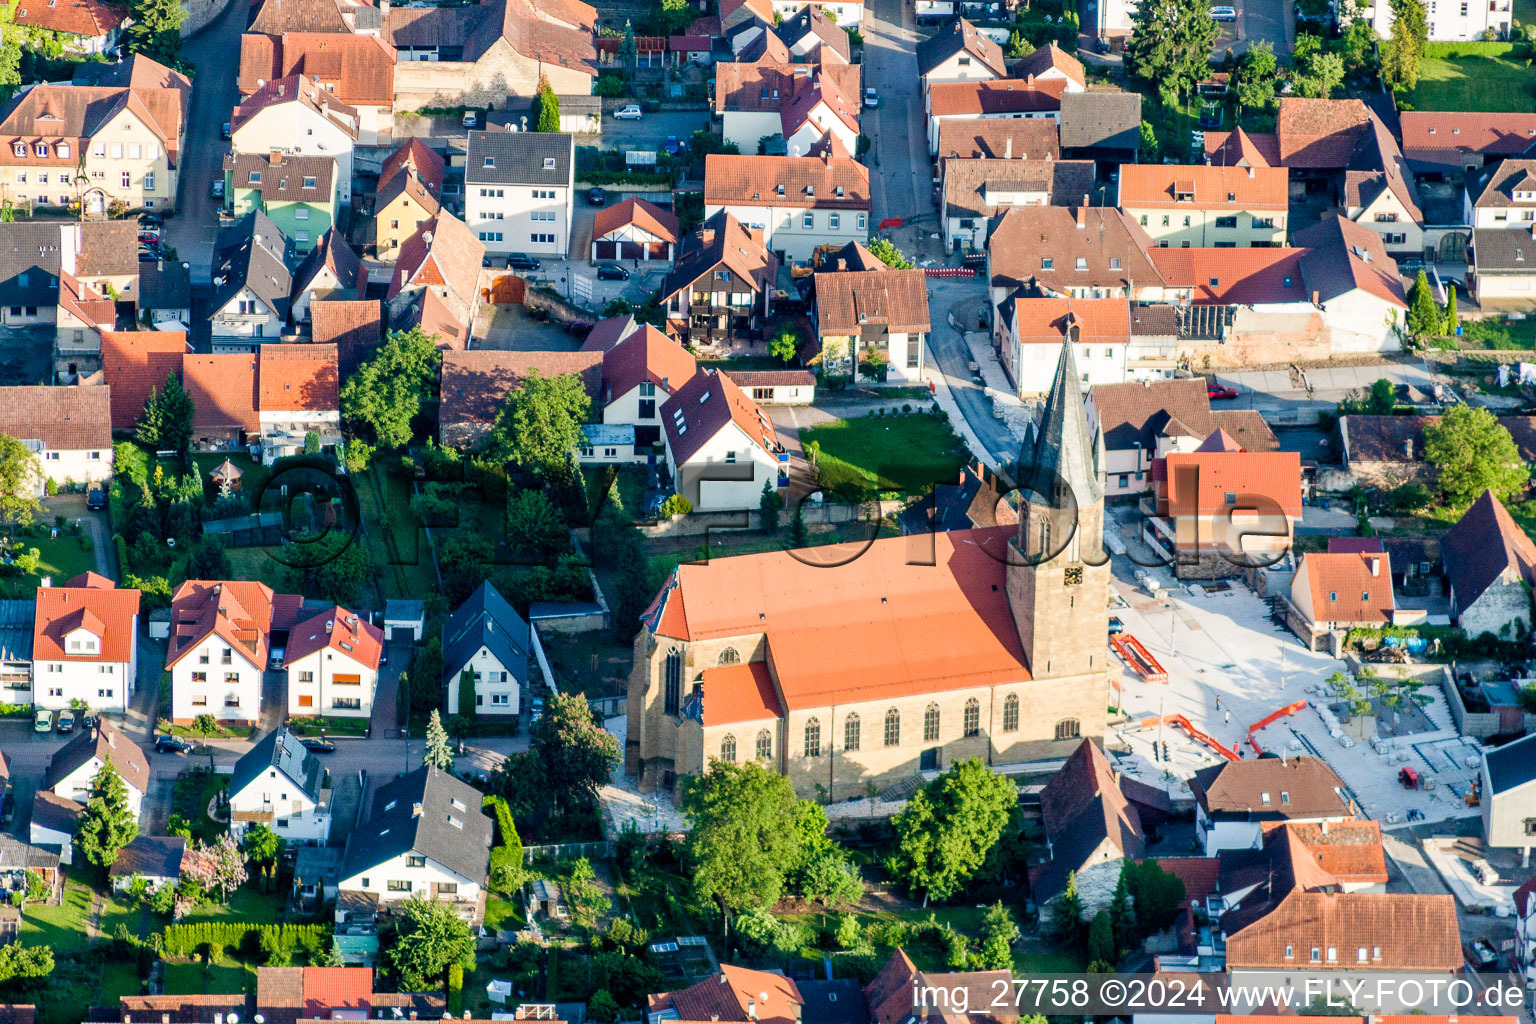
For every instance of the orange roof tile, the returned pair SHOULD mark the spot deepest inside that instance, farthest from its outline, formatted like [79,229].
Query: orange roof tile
[739,693]
[1344,588]
[1413,932]
[241,612]
[297,378]
[1234,276]
[1046,321]
[1000,96]
[133,362]
[349,635]
[1198,483]
[647,216]
[1350,851]
[223,390]
[1237,188]
[107,612]
[75,17]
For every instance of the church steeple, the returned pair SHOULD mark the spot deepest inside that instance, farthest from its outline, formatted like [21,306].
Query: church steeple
[1064,450]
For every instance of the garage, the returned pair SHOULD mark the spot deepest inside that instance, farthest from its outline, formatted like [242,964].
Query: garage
[404,622]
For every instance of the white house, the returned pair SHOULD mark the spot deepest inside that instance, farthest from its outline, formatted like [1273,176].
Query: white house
[1234,800]
[75,765]
[251,284]
[800,203]
[635,230]
[818,114]
[158,860]
[487,653]
[870,317]
[1450,23]
[959,52]
[639,374]
[1364,305]
[1490,563]
[280,784]
[425,837]
[67,430]
[608,444]
[221,641]
[297,115]
[85,645]
[519,190]
[296,395]
[1028,333]
[721,448]
[330,271]
[847,13]
[332,662]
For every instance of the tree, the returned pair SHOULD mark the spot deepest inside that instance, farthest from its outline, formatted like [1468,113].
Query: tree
[546,108]
[1325,72]
[1150,148]
[1069,908]
[209,561]
[262,847]
[178,825]
[1121,914]
[1402,54]
[949,826]
[429,939]
[223,866]
[785,345]
[738,848]
[1256,76]
[676,15]
[176,414]
[534,525]
[797,532]
[884,250]
[585,897]
[155,29]
[1451,319]
[330,956]
[18,961]
[1171,43]
[820,871]
[1018,46]
[602,1007]
[1383,397]
[1157,895]
[577,753]
[18,476]
[629,53]
[768,505]
[386,392]
[1000,931]
[1474,452]
[1424,317]
[439,752]
[1357,46]
[205,725]
[332,568]
[107,825]
[539,429]
[1101,938]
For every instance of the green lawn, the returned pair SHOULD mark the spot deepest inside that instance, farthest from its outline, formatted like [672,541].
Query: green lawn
[907,454]
[1494,333]
[502,914]
[1492,84]
[61,927]
[247,905]
[330,724]
[254,563]
[183,979]
[117,980]
[116,912]
[395,539]
[219,976]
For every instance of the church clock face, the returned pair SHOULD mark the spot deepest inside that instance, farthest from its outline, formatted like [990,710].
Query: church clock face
[1073,575]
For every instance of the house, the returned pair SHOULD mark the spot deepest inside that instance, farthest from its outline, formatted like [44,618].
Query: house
[720,453]
[409,194]
[251,284]
[519,191]
[165,295]
[330,271]
[221,642]
[1219,207]
[1491,564]
[85,642]
[124,138]
[1379,191]
[222,387]
[1087,252]
[332,661]
[1355,283]
[976,190]
[1027,138]
[68,432]
[745,21]
[998,99]
[98,268]
[1478,23]
[817,113]
[1498,271]
[331,17]
[811,34]
[1348,851]
[1319,135]
[889,1000]
[1508,820]
[1333,592]
[280,784]
[799,204]
[77,26]
[847,13]
[872,323]
[959,52]
[475,386]
[17,857]
[486,54]
[1503,196]
[751,97]
[640,373]
[1028,332]
[1050,63]
[354,326]
[74,766]
[776,387]
[487,652]
[297,192]
[1101,126]
[297,395]
[721,286]
[1221,509]
[737,994]
[299,117]
[1090,827]
[1234,800]
[436,282]
[158,860]
[136,362]
[1239,149]
[1442,142]
[425,835]
[55,821]
[356,68]
[635,230]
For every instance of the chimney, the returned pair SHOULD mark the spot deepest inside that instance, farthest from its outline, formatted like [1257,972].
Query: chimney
[752,1009]
[722,977]
[1008,148]
[416,810]
[329,625]
[1315,296]
[1325,826]
[1082,214]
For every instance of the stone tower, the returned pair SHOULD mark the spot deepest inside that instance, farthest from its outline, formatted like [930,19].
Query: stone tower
[1058,573]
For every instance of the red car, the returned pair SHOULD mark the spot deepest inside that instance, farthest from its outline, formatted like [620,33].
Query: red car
[1216,392]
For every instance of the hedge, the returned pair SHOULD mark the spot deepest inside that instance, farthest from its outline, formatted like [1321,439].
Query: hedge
[455,990]
[185,940]
[1450,51]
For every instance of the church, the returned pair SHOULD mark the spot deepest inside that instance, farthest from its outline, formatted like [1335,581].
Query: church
[991,643]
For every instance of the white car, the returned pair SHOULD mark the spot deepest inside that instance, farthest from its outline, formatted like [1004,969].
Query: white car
[871,97]
[629,113]
[1224,13]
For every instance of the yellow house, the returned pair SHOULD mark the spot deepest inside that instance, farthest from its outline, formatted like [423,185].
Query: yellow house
[64,146]
[409,186]
[1185,206]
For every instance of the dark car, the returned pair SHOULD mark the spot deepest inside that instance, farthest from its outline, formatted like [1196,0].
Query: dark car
[149,254]
[151,220]
[1217,393]
[315,746]
[1115,625]
[672,145]
[597,197]
[522,261]
[171,745]
[224,131]
[612,272]
[87,721]
[96,499]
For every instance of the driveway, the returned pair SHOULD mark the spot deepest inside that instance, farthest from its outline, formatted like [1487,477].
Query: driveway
[215,51]
[386,717]
[650,131]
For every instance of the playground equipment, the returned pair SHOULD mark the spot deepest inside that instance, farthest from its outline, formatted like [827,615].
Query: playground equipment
[1270,719]
[1138,657]
[1194,734]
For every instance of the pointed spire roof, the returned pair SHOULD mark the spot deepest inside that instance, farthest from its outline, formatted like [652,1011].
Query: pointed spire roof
[1063,451]
[1239,150]
[1219,441]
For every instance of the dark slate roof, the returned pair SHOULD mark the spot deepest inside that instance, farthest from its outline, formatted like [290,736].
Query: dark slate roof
[151,856]
[56,813]
[839,1001]
[450,828]
[485,619]
[1081,807]
[1101,120]
[104,741]
[165,284]
[1504,251]
[1512,765]
[959,36]
[282,750]
[1484,544]
[29,263]
[1064,450]
[519,158]
[251,254]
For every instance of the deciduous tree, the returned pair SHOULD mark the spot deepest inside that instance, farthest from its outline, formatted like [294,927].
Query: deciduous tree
[1256,76]
[585,896]
[1404,52]
[739,849]
[430,938]
[577,754]
[884,250]
[1474,452]
[18,483]
[386,392]
[539,429]
[948,827]
[1171,43]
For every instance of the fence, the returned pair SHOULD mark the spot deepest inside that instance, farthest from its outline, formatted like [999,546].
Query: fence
[595,850]
[700,523]
[950,271]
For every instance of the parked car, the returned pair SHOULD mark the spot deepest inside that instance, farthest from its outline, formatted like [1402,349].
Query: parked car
[88,721]
[151,221]
[612,272]
[1482,955]
[522,261]
[224,131]
[871,97]
[66,721]
[318,746]
[42,721]
[629,113]
[672,145]
[1224,13]
[1454,282]
[96,498]
[217,191]
[169,744]
[597,197]
[150,254]
[471,119]
[1412,263]
[1220,393]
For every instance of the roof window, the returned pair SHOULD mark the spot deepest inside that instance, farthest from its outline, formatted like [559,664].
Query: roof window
[549,163]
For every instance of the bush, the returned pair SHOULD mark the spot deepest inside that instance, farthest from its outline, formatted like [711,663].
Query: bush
[676,505]
[186,940]
[608,86]
[455,990]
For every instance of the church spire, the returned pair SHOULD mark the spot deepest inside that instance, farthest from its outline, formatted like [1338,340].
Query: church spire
[1062,450]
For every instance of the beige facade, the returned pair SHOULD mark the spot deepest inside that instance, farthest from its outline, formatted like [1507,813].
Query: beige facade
[124,161]
[398,221]
[501,73]
[1191,227]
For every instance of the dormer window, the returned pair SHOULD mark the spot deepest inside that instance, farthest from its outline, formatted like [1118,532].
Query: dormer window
[779,189]
[1264,798]
[1231,197]
[20,149]
[64,150]
[810,190]
[549,163]
[42,149]
[255,177]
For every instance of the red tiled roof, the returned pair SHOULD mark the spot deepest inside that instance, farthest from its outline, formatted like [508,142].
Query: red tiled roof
[1000,96]
[358,69]
[1046,321]
[74,17]
[1238,148]
[647,216]
[1344,589]
[1272,475]
[646,355]
[475,385]
[241,612]
[1241,276]
[107,612]
[702,407]
[1049,57]
[1023,138]
[1415,932]
[348,635]
[1319,133]
[1348,851]
[1427,133]
[223,390]
[736,994]
[1165,185]
[63,418]
[739,693]
[354,326]
[418,156]
[297,378]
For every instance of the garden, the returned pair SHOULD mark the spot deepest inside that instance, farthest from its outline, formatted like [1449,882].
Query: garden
[899,456]
[1493,77]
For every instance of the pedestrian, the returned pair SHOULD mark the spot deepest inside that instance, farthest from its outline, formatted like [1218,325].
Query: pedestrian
[1229,717]
[1218,702]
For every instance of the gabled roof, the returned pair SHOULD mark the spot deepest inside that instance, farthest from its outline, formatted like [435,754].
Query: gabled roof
[559,32]
[736,994]
[93,18]
[704,406]
[647,355]
[486,619]
[1043,243]
[1238,277]
[1377,165]
[281,751]
[1440,136]
[1496,186]
[1039,321]
[519,158]
[1082,808]
[103,742]
[108,612]
[1046,59]
[890,1001]
[1483,546]
[340,631]
[1024,138]
[334,254]
[274,17]
[1199,186]
[1354,587]
[1350,852]
[722,240]
[284,177]
[609,331]
[650,218]
[241,613]
[803,182]
[354,326]
[297,92]
[1319,134]
[1101,120]
[359,69]
[810,22]
[154,94]
[415,156]
[847,300]
[1138,411]
[428,812]
[150,856]
[1344,256]
[443,251]
[63,418]
[223,390]
[165,284]
[297,378]
[1413,931]
[998,97]
[1271,789]
[475,384]
[955,38]
[771,82]
[822,92]
[251,254]
[1239,149]
[979,188]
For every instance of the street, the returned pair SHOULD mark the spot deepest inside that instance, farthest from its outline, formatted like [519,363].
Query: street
[900,178]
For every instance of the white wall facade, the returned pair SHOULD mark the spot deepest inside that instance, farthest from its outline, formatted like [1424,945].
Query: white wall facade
[959,67]
[204,683]
[246,316]
[400,878]
[497,690]
[1033,365]
[76,786]
[847,15]
[324,677]
[708,477]
[507,218]
[747,127]
[295,816]
[295,128]
[82,465]
[1361,322]
[785,228]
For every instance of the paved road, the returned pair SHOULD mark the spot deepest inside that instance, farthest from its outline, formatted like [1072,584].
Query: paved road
[215,51]
[901,178]
[651,130]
